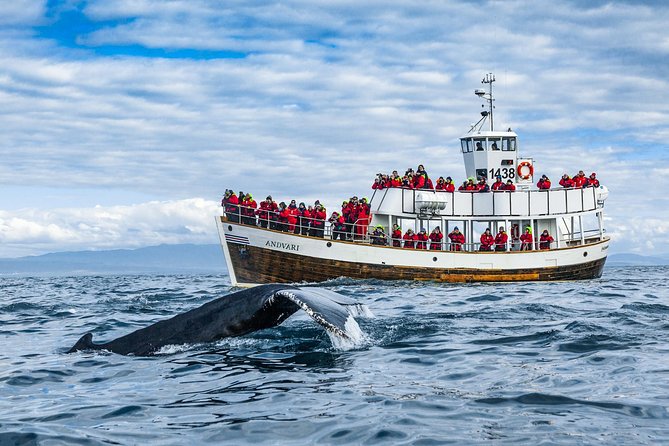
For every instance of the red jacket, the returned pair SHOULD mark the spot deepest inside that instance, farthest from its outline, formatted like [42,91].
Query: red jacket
[527,240]
[435,240]
[409,240]
[450,187]
[231,204]
[319,216]
[396,237]
[594,182]
[248,207]
[421,240]
[566,182]
[293,213]
[545,241]
[487,240]
[500,240]
[457,240]
[498,185]
[580,181]
[510,187]
[441,185]
[544,184]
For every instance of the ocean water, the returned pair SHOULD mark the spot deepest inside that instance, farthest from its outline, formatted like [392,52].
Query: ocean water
[530,363]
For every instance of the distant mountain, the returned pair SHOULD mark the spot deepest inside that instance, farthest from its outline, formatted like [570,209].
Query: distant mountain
[636,260]
[184,258]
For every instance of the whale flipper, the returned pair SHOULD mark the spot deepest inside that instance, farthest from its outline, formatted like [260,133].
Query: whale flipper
[235,315]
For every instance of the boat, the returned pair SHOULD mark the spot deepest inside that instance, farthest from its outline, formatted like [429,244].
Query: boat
[257,253]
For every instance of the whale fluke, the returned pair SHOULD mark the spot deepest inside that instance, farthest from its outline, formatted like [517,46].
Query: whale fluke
[238,314]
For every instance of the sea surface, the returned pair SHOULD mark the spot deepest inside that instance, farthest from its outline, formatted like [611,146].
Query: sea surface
[528,363]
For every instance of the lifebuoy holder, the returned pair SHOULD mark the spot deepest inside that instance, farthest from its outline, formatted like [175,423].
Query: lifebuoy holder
[523,167]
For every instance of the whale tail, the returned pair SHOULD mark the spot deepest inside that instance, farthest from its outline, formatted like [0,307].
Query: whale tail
[84,343]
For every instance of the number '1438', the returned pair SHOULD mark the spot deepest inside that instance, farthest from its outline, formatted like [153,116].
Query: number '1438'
[504,172]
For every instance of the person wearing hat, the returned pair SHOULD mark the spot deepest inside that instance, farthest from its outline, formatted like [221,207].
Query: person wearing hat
[362,219]
[231,202]
[450,187]
[566,181]
[482,186]
[396,236]
[545,240]
[544,183]
[421,238]
[593,181]
[457,239]
[293,214]
[436,238]
[338,226]
[267,213]
[463,187]
[282,219]
[409,239]
[487,240]
[378,236]
[249,207]
[510,186]
[498,184]
[305,218]
[500,239]
[471,186]
[319,214]
[441,184]
[580,180]
[526,239]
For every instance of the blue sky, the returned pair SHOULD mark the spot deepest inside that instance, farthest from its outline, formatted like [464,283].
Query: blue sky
[122,122]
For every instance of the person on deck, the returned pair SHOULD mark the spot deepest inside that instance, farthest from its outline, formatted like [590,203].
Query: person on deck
[267,212]
[544,183]
[450,187]
[304,218]
[500,239]
[566,181]
[409,239]
[422,239]
[545,240]
[487,241]
[463,187]
[338,226]
[441,184]
[318,221]
[580,179]
[378,236]
[510,186]
[482,185]
[282,219]
[363,220]
[471,187]
[396,236]
[593,181]
[457,239]
[395,179]
[498,184]
[232,207]
[526,239]
[293,214]
[436,238]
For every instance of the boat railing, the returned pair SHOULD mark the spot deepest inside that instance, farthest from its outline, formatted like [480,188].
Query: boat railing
[426,202]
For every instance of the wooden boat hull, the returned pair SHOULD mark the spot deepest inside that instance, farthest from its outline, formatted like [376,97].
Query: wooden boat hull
[275,257]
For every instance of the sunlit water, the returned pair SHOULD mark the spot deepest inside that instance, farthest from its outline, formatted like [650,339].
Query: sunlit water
[535,363]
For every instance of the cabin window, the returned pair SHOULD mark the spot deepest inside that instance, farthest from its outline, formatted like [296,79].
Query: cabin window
[479,144]
[467,145]
[495,143]
[509,144]
[463,143]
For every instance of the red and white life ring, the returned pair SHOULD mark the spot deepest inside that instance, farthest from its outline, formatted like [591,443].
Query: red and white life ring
[525,174]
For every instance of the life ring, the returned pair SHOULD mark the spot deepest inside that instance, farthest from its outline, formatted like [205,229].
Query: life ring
[530,170]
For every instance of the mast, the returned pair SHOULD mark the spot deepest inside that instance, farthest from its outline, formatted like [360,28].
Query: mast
[489,79]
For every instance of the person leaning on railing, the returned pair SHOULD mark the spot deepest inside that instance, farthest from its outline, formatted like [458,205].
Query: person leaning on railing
[230,203]
[545,240]
[457,239]
[396,236]
[436,238]
[544,183]
[338,226]
[526,239]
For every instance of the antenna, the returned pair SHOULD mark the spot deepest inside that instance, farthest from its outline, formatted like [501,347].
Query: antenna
[488,79]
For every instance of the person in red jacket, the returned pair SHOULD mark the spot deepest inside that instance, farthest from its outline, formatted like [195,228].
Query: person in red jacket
[471,187]
[593,181]
[441,184]
[500,240]
[545,240]
[338,226]
[527,240]
[249,205]
[409,239]
[282,218]
[293,214]
[580,179]
[396,236]
[421,239]
[487,240]
[377,183]
[362,221]
[544,183]
[450,187]
[482,185]
[510,186]
[318,222]
[395,179]
[436,238]
[566,181]
[231,204]
[463,187]
[267,213]
[457,239]
[498,184]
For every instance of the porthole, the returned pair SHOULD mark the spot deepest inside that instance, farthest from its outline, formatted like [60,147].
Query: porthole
[585,254]
[434,259]
[229,227]
[329,244]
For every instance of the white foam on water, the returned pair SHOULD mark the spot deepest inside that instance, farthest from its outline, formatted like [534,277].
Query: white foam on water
[360,310]
[354,336]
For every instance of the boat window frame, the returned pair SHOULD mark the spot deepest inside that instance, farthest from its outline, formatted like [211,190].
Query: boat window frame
[484,144]
[509,144]
[466,145]
[495,139]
